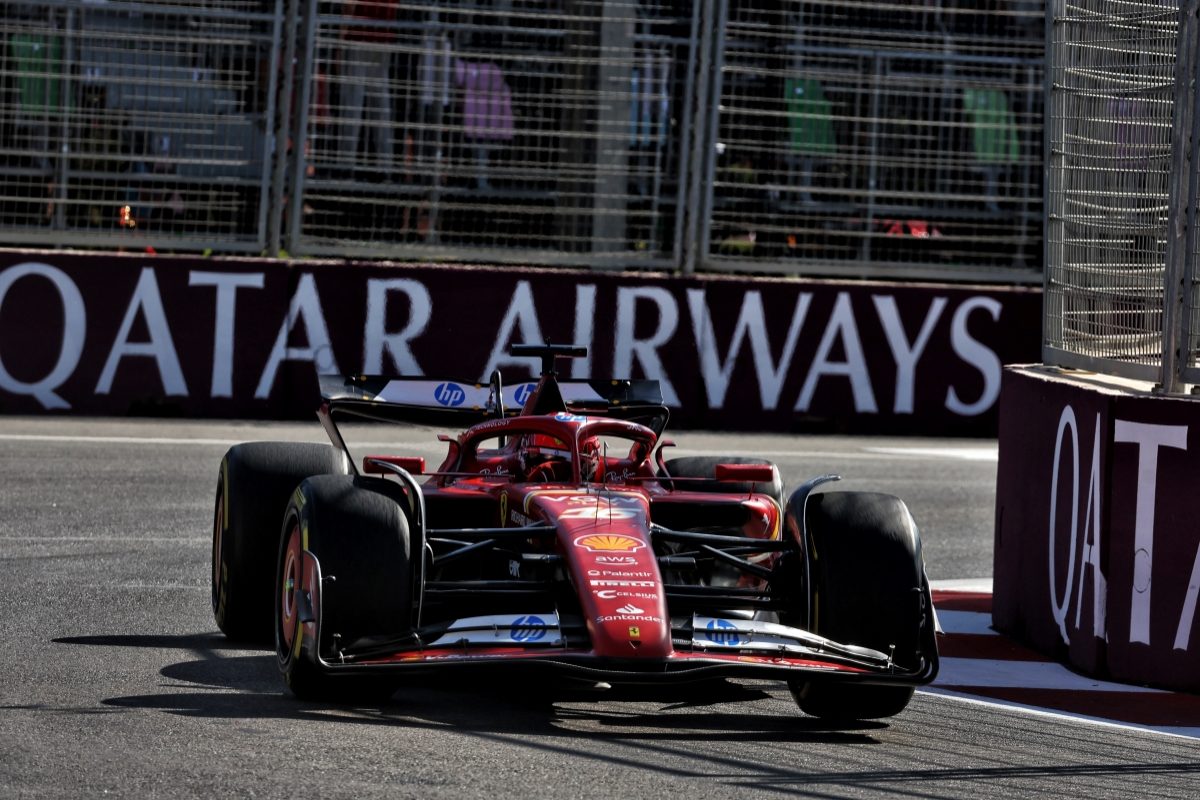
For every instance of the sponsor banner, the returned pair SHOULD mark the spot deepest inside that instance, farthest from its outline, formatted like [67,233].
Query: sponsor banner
[113,334]
[1097,557]
[1053,449]
[1154,543]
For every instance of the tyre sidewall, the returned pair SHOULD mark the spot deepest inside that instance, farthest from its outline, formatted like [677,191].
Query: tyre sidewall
[357,529]
[254,484]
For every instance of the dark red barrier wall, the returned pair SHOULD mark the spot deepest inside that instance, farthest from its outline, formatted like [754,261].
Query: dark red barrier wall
[1097,555]
[113,334]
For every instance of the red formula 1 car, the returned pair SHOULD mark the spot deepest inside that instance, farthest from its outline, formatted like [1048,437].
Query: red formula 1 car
[556,534]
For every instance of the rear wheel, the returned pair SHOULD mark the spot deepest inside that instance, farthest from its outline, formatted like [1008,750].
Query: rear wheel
[253,487]
[357,533]
[705,467]
[867,588]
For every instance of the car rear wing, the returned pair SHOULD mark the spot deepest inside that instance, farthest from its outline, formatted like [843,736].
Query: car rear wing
[467,402]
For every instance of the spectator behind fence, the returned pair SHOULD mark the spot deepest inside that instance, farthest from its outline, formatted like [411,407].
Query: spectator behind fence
[487,111]
[365,85]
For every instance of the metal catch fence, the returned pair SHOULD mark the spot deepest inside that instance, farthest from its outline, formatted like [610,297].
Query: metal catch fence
[1122,294]
[530,131]
[786,136]
[890,138]
[1111,69]
[137,125]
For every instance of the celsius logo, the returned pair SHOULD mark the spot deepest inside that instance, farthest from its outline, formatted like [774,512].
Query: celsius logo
[528,629]
[449,394]
[722,632]
[522,393]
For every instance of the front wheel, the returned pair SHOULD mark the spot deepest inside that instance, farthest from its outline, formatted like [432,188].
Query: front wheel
[342,578]
[868,588]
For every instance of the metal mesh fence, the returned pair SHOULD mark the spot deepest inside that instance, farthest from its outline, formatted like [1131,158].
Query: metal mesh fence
[136,125]
[1111,66]
[849,137]
[890,137]
[512,130]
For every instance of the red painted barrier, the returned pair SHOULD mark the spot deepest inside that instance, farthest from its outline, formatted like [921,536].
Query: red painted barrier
[106,334]
[1097,556]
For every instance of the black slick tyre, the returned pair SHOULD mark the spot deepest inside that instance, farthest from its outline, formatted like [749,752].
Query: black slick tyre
[867,588]
[253,486]
[354,587]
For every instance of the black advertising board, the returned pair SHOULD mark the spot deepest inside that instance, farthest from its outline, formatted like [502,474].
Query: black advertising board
[114,334]
[1051,486]
[1097,557]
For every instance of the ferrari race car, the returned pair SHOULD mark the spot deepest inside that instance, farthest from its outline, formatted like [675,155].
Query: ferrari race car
[555,534]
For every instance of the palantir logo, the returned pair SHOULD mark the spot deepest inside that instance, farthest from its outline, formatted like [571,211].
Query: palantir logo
[449,394]
[522,393]
[528,628]
[722,632]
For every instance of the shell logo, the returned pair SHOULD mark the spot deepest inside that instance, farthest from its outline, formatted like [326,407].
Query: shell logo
[608,543]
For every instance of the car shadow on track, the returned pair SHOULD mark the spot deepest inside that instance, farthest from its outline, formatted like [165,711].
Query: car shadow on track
[243,682]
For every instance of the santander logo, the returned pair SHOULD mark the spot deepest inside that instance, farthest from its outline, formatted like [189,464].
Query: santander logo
[630,608]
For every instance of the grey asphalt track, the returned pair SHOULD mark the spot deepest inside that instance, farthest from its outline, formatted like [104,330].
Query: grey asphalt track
[114,681]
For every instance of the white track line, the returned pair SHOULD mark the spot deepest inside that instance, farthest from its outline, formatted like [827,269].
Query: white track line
[950,694]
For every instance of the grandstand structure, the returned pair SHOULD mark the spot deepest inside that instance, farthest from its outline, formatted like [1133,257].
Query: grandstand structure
[842,138]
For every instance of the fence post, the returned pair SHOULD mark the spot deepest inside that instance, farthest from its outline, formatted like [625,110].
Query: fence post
[705,124]
[269,241]
[1179,194]
[305,68]
[281,125]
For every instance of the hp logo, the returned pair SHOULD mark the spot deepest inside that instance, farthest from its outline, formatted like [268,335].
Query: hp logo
[528,629]
[522,393]
[449,394]
[722,632]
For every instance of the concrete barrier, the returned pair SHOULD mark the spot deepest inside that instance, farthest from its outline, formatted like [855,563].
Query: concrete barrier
[107,334]
[1097,557]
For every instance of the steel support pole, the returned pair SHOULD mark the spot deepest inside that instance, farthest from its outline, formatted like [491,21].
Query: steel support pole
[1179,196]
[306,69]
[281,125]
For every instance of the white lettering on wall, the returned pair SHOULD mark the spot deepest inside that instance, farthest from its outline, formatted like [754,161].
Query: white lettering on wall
[227,284]
[1187,616]
[978,355]
[1149,438]
[521,315]
[74,333]
[585,317]
[1091,546]
[1066,421]
[751,324]
[147,301]
[1092,549]
[841,326]
[627,349]
[906,355]
[305,308]
[377,340]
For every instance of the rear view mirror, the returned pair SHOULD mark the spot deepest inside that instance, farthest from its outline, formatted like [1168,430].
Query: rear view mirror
[373,465]
[751,473]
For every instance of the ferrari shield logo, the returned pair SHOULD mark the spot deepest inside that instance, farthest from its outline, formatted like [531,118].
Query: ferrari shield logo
[634,632]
